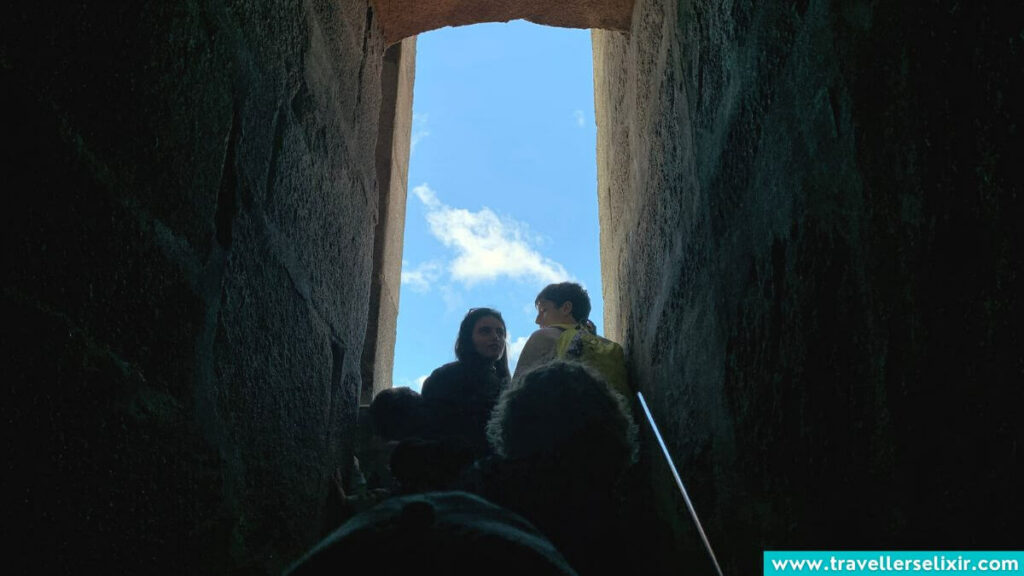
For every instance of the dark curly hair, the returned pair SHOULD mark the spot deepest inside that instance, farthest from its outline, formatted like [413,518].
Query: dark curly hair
[564,411]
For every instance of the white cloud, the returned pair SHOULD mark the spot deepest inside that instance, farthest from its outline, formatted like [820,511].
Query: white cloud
[421,278]
[486,246]
[419,130]
[515,348]
[416,383]
[580,117]
[427,196]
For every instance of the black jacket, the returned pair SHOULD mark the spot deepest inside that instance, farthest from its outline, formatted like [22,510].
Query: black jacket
[459,398]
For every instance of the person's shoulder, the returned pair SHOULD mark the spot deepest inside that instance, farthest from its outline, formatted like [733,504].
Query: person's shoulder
[539,348]
[456,367]
[441,378]
[544,338]
[547,333]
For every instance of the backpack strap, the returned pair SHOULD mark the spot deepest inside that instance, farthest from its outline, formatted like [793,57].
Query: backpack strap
[575,349]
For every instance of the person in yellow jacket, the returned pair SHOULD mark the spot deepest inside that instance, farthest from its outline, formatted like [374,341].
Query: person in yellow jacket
[566,303]
[566,332]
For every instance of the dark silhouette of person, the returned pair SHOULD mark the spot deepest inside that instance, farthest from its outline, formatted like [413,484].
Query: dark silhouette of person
[563,440]
[397,413]
[450,533]
[459,396]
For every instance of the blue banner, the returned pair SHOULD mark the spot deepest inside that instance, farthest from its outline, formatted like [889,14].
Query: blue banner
[894,561]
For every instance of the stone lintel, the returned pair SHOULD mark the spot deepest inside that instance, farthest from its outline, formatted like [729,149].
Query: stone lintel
[400,19]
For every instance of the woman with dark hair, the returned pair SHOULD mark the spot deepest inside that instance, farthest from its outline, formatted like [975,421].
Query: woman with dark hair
[459,396]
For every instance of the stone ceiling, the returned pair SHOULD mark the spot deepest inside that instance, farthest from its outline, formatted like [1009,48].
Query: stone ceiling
[403,18]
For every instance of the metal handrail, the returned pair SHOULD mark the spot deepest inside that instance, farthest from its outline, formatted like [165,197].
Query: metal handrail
[679,482]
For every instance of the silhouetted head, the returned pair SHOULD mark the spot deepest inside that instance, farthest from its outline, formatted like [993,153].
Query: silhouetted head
[562,303]
[397,413]
[481,339]
[452,533]
[564,414]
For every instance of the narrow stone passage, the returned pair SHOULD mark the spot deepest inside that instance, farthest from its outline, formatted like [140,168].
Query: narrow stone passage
[810,246]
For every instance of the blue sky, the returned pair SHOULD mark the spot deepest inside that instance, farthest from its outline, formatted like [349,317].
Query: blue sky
[502,193]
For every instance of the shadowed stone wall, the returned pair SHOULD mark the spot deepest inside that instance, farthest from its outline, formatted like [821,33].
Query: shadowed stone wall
[811,250]
[187,254]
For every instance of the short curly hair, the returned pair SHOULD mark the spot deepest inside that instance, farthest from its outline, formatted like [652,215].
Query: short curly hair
[564,411]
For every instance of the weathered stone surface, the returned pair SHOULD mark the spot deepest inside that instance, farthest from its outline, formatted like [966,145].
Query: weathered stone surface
[403,18]
[811,250]
[187,277]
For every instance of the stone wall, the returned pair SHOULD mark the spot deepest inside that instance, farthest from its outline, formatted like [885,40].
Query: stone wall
[188,247]
[398,75]
[811,251]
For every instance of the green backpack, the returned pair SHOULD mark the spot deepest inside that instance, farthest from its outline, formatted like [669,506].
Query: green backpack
[601,354]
